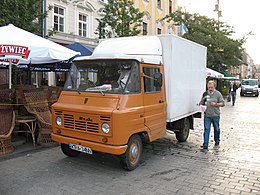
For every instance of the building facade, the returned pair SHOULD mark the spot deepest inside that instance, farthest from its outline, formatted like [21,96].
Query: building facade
[76,20]
[73,21]
[154,12]
[256,73]
[246,69]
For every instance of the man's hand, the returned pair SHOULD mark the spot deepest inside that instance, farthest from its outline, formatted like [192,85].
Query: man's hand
[213,103]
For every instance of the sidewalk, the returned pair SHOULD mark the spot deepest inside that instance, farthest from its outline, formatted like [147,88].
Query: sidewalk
[22,147]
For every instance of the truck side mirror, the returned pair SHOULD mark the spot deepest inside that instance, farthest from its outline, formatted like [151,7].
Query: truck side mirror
[158,79]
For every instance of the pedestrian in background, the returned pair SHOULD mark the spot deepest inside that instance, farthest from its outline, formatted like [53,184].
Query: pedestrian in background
[213,99]
[233,91]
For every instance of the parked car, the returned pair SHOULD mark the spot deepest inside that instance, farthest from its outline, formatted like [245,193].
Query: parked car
[249,87]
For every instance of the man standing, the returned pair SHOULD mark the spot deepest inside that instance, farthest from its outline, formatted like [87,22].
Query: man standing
[213,99]
[233,90]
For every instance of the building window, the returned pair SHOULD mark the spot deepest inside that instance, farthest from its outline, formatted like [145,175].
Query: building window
[159,4]
[170,6]
[159,31]
[83,25]
[59,19]
[145,28]
[149,82]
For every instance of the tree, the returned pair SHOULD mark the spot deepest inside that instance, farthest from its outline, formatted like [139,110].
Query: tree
[25,14]
[223,51]
[120,19]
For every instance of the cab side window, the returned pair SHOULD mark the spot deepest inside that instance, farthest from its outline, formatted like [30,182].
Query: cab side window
[149,81]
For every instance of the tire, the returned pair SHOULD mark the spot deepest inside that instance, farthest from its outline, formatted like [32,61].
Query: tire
[241,94]
[130,160]
[183,134]
[69,152]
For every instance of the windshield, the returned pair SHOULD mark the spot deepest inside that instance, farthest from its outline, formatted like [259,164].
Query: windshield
[249,82]
[104,76]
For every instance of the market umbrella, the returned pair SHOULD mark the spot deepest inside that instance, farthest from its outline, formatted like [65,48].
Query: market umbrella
[28,48]
[213,73]
[62,66]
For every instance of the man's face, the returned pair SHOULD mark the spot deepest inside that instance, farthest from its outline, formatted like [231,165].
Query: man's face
[211,87]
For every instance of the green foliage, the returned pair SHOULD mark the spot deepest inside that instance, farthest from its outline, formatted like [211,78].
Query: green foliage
[223,51]
[122,17]
[25,14]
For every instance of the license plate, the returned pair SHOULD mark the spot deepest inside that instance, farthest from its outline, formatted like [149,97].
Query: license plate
[248,92]
[80,148]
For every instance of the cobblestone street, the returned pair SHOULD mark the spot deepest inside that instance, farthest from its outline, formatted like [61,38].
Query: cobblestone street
[168,167]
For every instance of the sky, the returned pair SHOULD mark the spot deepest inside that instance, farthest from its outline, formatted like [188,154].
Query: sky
[244,16]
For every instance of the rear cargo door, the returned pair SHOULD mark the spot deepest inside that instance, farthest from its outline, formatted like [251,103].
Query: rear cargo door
[154,101]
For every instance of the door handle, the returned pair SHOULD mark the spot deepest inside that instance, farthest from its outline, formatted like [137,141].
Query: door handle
[161,101]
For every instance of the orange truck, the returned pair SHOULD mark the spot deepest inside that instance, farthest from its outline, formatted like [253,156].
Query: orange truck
[128,90]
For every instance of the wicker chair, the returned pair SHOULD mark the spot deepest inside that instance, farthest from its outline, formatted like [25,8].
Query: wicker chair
[53,94]
[20,99]
[7,122]
[37,104]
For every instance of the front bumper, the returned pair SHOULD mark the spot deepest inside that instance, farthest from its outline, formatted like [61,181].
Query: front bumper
[116,150]
[249,92]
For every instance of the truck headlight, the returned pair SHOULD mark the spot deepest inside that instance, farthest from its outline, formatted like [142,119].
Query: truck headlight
[105,127]
[59,121]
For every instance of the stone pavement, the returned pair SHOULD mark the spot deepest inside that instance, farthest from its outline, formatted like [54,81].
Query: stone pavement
[168,167]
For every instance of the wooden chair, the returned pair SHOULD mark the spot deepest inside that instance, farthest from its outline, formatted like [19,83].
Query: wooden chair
[7,122]
[37,104]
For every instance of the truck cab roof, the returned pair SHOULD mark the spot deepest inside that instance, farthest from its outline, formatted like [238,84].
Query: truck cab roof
[145,49]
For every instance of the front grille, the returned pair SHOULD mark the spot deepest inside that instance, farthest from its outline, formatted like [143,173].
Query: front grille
[105,118]
[92,127]
[68,121]
[82,122]
[58,112]
[250,90]
[80,125]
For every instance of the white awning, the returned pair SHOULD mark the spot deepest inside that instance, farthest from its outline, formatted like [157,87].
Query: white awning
[213,74]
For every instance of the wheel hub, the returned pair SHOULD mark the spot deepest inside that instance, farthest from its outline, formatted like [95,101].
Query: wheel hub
[134,151]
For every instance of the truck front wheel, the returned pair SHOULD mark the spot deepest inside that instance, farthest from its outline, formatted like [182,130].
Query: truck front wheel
[183,134]
[132,156]
[69,152]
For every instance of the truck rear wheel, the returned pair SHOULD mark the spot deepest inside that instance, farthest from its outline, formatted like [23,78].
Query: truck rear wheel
[69,152]
[183,134]
[132,156]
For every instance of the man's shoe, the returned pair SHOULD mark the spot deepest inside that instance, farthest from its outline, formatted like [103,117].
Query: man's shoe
[204,147]
[216,143]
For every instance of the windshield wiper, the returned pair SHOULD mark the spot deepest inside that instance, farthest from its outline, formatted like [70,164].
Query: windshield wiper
[98,89]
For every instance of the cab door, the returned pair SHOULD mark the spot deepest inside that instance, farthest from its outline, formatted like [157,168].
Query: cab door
[154,101]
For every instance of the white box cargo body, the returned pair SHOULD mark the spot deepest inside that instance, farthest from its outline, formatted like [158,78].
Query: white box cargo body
[185,75]
[184,66]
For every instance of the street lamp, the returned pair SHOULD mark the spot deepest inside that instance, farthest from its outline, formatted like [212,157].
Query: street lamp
[44,4]
[218,11]
[219,14]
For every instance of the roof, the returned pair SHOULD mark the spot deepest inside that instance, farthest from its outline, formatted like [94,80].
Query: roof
[145,49]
